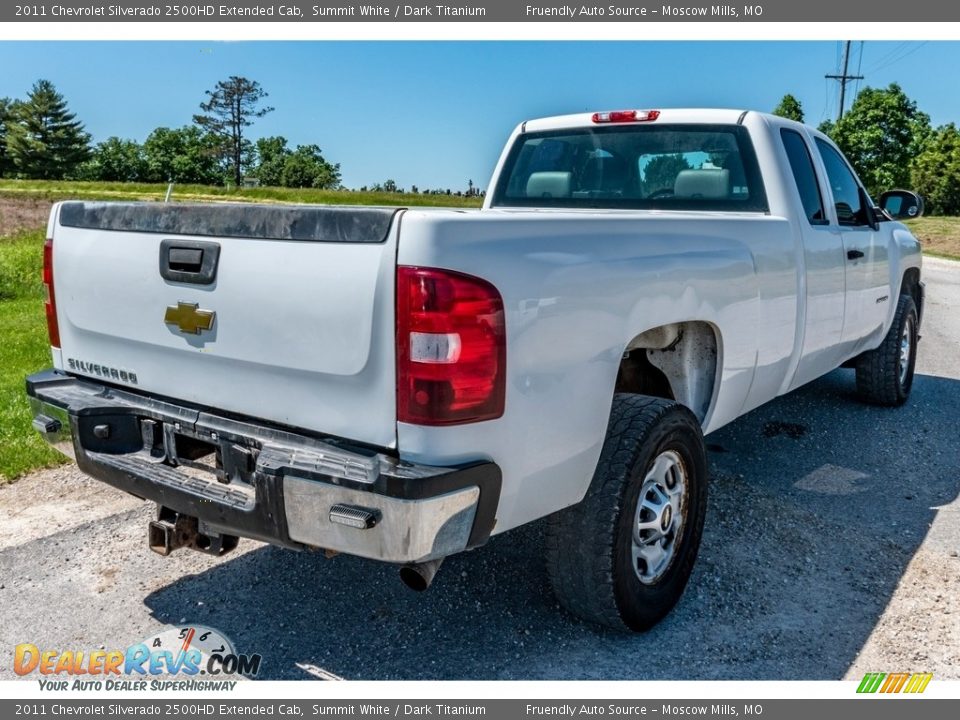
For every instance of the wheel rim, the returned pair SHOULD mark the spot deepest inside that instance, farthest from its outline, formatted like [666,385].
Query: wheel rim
[659,517]
[906,341]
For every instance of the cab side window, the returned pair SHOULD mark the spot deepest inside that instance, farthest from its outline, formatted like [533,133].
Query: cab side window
[846,191]
[804,175]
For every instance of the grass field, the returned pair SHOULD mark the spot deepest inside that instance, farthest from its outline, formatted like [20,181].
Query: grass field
[939,235]
[24,206]
[55,190]
[23,349]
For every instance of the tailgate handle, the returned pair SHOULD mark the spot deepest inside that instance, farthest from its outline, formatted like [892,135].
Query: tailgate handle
[185,259]
[189,261]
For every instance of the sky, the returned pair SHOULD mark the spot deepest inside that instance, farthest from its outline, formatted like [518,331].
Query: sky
[436,114]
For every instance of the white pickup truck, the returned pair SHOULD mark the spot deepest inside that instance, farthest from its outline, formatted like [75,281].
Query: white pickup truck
[401,384]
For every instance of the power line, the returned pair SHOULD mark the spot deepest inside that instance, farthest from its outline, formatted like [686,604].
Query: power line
[898,59]
[889,54]
[844,78]
[856,88]
[826,100]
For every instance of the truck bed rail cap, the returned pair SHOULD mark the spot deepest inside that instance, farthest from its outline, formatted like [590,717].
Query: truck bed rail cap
[309,223]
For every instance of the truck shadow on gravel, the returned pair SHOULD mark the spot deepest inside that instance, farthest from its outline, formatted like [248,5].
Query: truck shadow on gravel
[807,536]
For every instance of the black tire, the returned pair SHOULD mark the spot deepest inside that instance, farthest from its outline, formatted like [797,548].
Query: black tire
[589,546]
[882,378]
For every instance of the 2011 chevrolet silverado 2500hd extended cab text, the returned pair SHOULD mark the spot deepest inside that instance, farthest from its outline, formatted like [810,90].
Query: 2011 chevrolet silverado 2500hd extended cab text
[401,384]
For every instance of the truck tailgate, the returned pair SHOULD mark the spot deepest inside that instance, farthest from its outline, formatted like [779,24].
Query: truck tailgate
[302,331]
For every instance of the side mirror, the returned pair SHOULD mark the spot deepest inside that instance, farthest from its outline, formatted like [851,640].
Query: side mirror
[902,204]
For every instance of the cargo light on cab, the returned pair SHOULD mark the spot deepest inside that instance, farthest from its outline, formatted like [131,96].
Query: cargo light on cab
[624,116]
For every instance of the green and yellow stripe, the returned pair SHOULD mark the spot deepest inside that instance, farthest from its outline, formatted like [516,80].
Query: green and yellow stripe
[894,683]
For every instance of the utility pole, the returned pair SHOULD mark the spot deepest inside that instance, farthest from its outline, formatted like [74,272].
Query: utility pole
[844,79]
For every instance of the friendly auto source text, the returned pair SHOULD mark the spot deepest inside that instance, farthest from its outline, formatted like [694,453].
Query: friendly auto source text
[643,710]
[614,11]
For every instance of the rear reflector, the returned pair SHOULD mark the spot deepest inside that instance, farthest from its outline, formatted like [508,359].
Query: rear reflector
[619,116]
[50,304]
[451,348]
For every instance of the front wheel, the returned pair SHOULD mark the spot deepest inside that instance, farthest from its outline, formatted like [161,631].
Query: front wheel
[885,375]
[623,555]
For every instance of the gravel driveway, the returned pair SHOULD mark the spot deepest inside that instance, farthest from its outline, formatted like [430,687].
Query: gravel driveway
[831,549]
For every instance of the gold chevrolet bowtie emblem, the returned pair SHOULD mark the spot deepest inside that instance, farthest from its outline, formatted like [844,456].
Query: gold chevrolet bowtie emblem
[189,318]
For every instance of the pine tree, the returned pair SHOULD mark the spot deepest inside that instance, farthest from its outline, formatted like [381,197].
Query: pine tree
[44,140]
[232,106]
[6,166]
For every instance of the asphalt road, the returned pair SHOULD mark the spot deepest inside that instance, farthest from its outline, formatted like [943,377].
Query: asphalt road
[831,549]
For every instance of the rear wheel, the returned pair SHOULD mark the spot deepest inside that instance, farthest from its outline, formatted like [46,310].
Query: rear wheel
[885,375]
[623,555]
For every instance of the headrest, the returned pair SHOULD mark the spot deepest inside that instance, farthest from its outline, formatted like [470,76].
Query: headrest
[710,184]
[549,184]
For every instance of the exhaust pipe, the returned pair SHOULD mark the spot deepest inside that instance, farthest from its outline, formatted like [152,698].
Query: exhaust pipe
[419,576]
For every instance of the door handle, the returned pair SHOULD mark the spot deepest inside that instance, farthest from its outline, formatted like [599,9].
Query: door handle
[854,254]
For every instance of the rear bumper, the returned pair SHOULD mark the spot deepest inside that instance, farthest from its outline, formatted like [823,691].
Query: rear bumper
[267,483]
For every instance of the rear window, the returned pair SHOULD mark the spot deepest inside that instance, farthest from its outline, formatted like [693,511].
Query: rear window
[663,167]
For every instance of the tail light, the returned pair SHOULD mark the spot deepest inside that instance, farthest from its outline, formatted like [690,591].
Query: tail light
[451,348]
[50,304]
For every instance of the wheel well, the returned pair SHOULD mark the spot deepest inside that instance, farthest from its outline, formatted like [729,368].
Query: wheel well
[910,285]
[676,362]
[639,376]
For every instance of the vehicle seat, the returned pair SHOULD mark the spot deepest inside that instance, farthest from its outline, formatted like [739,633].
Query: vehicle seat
[707,184]
[549,184]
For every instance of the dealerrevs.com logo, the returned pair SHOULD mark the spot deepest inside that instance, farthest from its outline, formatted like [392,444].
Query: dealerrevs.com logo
[194,657]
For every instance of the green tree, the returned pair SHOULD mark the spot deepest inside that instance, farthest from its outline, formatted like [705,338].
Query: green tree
[661,172]
[230,108]
[789,107]
[298,171]
[327,176]
[44,139]
[6,164]
[272,154]
[936,171]
[880,135]
[184,155]
[306,167]
[116,160]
